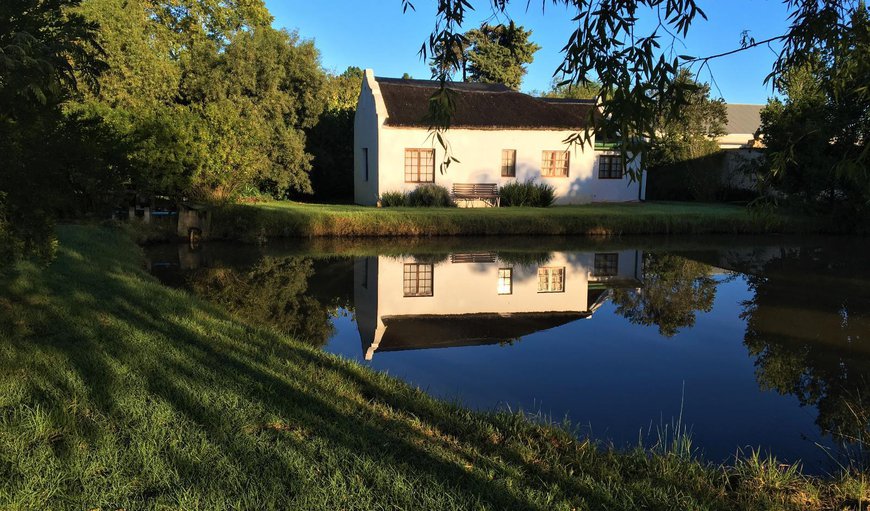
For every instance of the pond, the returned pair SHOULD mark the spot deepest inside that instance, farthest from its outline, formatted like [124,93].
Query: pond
[749,343]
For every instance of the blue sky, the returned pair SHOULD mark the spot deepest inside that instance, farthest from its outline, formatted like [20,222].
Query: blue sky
[376,34]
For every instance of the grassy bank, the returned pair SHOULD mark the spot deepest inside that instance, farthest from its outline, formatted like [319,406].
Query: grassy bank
[289,219]
[117,392]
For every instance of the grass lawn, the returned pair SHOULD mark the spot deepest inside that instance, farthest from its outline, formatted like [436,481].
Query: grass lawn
[117,392]
[289,219]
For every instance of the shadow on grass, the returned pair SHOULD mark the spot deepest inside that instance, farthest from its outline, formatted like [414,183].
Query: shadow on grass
[155,398]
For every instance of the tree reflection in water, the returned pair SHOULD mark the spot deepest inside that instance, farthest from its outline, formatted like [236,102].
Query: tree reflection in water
[674,290]
[808,325]
[280,292]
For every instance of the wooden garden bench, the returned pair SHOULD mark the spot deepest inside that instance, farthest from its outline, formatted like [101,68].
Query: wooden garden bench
[485,192]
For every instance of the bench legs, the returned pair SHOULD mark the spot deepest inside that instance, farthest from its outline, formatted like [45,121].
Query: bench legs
[493,202]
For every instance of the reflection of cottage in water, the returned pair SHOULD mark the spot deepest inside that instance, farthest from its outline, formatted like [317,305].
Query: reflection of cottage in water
[480,298]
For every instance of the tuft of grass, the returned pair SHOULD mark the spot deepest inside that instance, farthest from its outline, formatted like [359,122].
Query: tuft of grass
[780,486]
[853,489]
[289,219]
[763,473]
[674,439]
[117,392]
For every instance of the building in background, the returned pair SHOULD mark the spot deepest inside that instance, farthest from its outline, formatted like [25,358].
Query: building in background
[743,146]
[743,128]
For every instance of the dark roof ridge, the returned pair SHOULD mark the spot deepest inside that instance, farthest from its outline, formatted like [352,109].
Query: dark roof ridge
[462,86]
[575,101]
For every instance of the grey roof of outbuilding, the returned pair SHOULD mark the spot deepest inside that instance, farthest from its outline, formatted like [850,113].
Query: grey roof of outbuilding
[481,106]
[743,118]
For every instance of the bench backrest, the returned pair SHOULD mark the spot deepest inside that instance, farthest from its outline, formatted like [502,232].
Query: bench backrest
[484,189]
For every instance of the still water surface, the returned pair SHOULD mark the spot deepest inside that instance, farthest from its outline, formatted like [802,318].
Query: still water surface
[755,343]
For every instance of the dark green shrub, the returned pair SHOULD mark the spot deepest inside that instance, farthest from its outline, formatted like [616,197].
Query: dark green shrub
[529,194]
[393,200]
[430,196]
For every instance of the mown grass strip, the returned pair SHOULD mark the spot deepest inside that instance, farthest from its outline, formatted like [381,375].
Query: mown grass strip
[289,219]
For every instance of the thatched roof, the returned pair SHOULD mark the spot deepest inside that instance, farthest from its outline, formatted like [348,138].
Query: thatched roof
[482,106]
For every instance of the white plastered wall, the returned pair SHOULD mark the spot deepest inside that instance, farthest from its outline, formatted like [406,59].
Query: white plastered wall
[370,114]
[480,153]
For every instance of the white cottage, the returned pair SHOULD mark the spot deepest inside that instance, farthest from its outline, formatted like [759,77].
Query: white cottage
[498,135]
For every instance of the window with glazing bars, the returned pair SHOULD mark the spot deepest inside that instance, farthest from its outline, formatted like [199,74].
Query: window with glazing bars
[551,280]
[419,165]
[505,281]
[555,164]
[609,166]
[508,163]
[418,279]
[606,265]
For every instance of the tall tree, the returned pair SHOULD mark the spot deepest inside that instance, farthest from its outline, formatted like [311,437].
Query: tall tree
[330,140]
[499,54]
[256,97]
[214,100]
[138,93]
[489,54]
[141,73]
[342,90]
[818,138]
[572,91]
[196,21]
[46,54]
[687,123]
